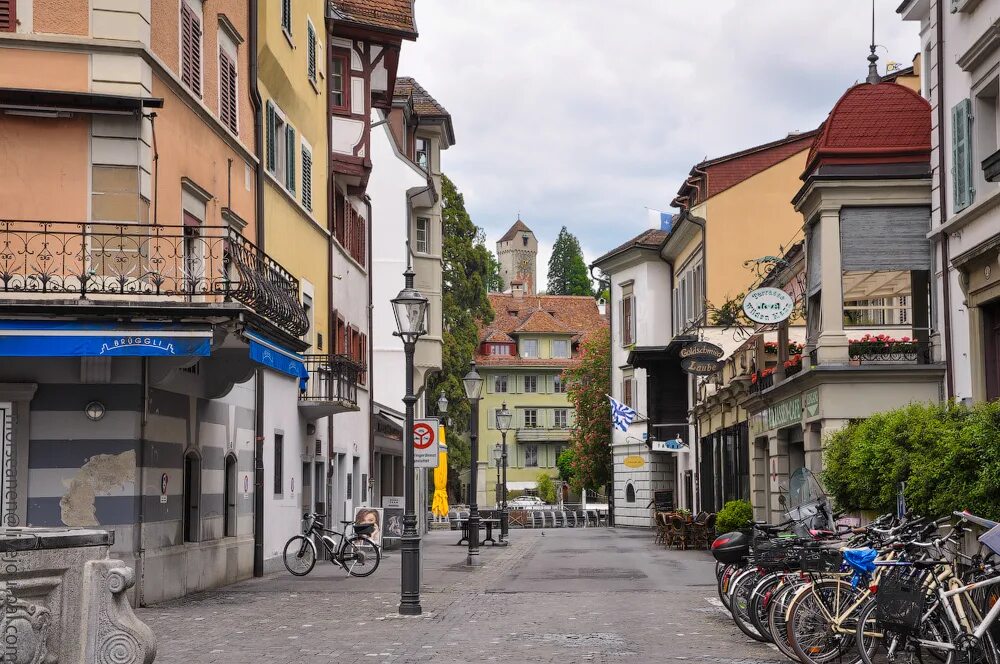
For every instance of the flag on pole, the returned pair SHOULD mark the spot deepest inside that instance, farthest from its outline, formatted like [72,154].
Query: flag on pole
[659,219]
[621,415]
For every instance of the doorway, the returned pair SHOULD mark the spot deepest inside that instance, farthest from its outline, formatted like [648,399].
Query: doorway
[229,511]
[192,497]
[991,339]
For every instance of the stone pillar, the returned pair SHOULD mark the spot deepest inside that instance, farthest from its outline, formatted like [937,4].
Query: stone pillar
[777,474]
[813,444]
[759,479]
[832,346]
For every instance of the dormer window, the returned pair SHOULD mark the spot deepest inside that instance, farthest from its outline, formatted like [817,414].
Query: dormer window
[529,348]
[499,349]
[560,348]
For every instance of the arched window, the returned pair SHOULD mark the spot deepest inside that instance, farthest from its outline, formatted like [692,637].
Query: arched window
[229,491]
[629,493]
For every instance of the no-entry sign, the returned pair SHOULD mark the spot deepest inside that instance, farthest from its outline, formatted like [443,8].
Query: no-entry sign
[425,443]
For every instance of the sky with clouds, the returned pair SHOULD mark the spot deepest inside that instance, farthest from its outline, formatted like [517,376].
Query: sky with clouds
[583,112]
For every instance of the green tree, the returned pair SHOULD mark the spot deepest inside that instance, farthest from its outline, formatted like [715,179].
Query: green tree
[547,489]
[494,283]
[564,462]
[567,270]
[588,384]
[465,273]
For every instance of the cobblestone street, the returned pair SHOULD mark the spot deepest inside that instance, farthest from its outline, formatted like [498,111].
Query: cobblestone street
[585,595]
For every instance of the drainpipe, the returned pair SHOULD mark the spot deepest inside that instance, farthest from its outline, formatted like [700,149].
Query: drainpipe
[258,449]
[943,203]
[367,200]
[700,223]
[140,550]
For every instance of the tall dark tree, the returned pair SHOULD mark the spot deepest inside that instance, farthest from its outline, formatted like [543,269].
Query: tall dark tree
[465,273]
[494,283]
[567,270]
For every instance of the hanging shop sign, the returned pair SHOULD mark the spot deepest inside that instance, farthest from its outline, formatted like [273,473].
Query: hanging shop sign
[700,366]
[768,305]
[701,350]
[634,461]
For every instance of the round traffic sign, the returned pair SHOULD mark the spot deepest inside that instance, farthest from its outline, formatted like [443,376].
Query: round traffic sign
[423,435]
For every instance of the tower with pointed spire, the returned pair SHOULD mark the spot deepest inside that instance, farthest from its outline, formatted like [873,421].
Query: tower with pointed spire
[517,252]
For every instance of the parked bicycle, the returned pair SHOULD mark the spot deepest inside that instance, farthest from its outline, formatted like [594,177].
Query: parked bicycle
[358,554]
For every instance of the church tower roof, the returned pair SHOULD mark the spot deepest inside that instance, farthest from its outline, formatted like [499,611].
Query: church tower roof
[518,227]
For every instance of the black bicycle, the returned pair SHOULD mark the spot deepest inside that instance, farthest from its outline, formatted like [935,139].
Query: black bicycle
[358,555]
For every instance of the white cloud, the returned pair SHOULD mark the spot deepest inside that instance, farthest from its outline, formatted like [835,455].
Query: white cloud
[582,112]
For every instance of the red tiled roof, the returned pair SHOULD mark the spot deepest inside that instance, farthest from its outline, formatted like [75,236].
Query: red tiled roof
[874,124]
[393,15]
[651,238]
[557,314]
[514,230]
[499,337]
[423,103]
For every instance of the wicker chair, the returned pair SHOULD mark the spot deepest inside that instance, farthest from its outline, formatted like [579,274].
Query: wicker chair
[660,523]
[678,532]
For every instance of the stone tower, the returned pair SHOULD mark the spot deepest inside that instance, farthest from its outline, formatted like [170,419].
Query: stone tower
[517,252]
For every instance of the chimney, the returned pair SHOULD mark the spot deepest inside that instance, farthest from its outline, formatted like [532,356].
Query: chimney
[517,289]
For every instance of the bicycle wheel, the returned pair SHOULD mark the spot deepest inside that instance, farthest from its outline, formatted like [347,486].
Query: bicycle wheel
[743,586]
[728,575]
[361,556]
[811,615]
[299,555]
[777,611]
[874,641]
[759,600]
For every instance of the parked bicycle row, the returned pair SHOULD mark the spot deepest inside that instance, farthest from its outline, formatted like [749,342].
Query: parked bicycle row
[901,589]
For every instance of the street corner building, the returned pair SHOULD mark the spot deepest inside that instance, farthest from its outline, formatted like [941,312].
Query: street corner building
[187,271]
[521,356]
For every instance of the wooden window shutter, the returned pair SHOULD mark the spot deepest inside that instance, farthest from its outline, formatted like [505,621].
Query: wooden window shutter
[290,161]
[269,139]
[306,179]
[311,53]
[190,49]
[8,15]
[227,92]
[961,155]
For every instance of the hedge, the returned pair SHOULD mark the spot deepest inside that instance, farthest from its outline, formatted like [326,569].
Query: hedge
[948,455]
[734,515]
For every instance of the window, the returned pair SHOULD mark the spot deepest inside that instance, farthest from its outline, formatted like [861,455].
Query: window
[422,156]
[560,348]
[311,51]
[338,80]
[8,15]
[228,91]
[530,384]
[279,464]
[530,418]
[286,16]
[340,218]
[529,348]
[500,383]
[350,485]
[307,307]
[423,234]
[524,240]
[307,164]
[559,386]
[628,315]
[280,147]
[688,299]
[531,456]
[191,47]
[628,390]
[499,349]
[629,493]
[961,155]
[561,418]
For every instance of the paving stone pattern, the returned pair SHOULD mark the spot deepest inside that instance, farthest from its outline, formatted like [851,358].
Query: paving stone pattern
[583,595]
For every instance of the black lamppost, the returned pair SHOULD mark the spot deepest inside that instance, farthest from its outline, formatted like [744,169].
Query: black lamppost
[497,454]
[410,308]
[442,404]
[504,419]
[473,383]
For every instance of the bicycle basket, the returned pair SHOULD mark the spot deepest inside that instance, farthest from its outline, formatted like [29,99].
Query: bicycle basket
[821,560]
[899,603]
[773,557]
[364,528]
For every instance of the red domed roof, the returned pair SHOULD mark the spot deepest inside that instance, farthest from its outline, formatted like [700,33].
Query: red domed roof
[874,124]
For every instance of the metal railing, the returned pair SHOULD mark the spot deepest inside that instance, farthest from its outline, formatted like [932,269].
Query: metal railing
[331,378]
[897,352]
[145,262]
[762,383]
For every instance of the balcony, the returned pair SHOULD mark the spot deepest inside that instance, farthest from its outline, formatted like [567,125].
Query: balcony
[146,265]
[882,349]
[541,435]
[332,386]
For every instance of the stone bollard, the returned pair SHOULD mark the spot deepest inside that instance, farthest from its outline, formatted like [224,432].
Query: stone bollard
[64,600]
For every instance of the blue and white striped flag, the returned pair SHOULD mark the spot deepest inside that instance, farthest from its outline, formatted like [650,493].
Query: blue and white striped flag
[621,415]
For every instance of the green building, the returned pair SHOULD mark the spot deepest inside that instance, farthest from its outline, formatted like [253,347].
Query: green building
[521,357]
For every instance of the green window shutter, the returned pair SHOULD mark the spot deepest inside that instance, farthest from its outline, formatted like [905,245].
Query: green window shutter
[269,139]
[290,168]
[490,380]
[961,155]
[491,418]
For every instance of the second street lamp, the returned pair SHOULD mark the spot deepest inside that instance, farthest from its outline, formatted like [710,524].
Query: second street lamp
[473,384]
[497,453]
[410,309]
[504,419]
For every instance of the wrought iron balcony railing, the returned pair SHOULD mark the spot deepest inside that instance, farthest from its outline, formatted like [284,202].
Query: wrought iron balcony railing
[332,379]
[146,263]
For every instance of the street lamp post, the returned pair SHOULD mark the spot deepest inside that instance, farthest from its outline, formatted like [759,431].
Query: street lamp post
[410,309]
[473,384]
[497,453]
[504,419]
[442,404]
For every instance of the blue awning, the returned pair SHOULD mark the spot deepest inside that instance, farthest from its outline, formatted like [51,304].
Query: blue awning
[276,357]
[36,338]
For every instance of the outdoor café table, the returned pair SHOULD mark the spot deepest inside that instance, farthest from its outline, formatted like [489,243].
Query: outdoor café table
[489,523]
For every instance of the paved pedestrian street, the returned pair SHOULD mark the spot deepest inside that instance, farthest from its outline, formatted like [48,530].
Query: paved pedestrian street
[574,595]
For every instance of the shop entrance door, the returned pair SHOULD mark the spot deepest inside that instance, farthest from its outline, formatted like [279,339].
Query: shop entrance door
[991,334]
